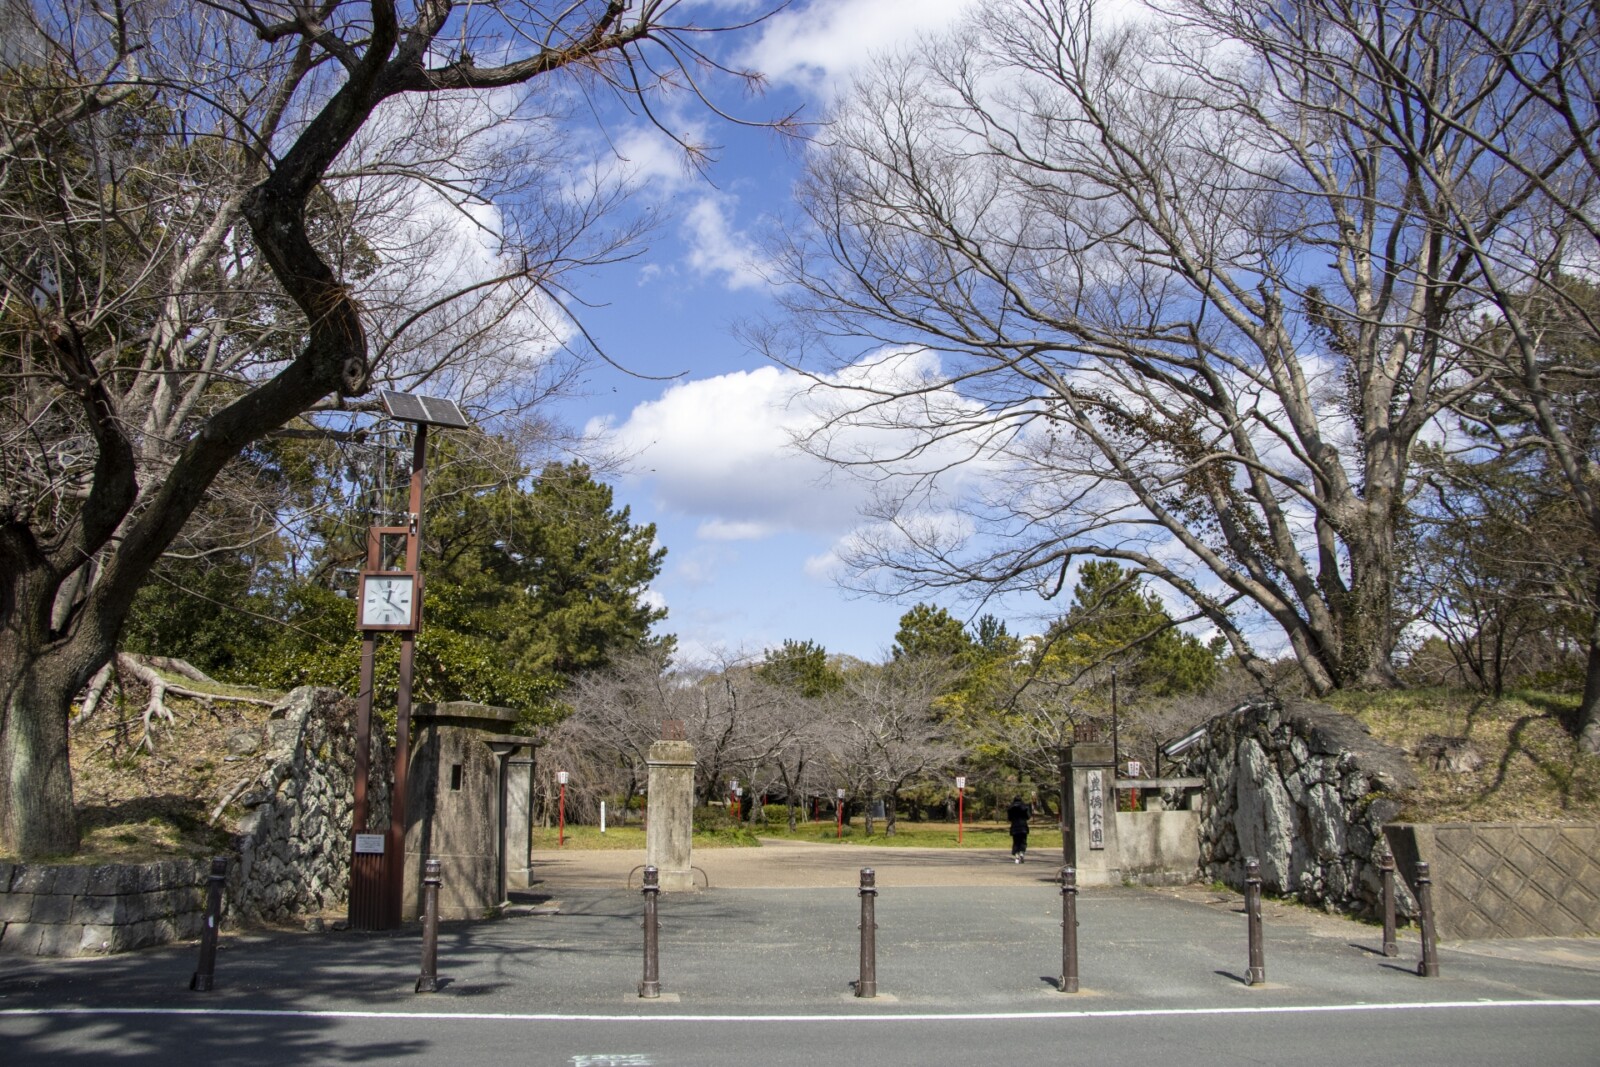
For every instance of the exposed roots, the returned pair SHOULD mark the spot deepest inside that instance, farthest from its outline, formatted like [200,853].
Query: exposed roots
[147,669]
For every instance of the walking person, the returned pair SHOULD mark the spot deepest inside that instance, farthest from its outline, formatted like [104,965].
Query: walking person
[1018,814]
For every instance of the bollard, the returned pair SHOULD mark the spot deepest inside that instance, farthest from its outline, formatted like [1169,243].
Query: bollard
[1429,967]
[1391,946]
[650,988]
[205,977]
[428,980]
[1069,930]
[1257,975]
[867,984]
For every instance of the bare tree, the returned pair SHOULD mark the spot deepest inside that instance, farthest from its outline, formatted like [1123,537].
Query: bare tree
[199,210]
[889,732]
[1177,285]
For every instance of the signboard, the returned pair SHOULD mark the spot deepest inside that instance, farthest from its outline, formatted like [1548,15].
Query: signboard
[961,781]
[1097,809]
[369,844]
[561,777]
[1135,769]
[841,794]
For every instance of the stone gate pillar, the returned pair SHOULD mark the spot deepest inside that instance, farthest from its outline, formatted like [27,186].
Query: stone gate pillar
[1091,814]
[671,825]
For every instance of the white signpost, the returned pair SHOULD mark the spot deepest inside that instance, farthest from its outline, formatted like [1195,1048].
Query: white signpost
[1097,809]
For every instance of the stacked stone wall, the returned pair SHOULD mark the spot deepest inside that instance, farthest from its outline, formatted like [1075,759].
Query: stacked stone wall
[56,910]
[1305,790]
[293,846]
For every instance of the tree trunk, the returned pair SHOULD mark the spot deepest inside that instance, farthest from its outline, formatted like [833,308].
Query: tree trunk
[1588,719]
[889,818]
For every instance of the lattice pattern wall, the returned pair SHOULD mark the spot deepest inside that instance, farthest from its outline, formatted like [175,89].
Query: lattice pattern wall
[1507,879]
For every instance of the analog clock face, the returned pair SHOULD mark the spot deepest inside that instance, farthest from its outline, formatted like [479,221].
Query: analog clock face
[387,600]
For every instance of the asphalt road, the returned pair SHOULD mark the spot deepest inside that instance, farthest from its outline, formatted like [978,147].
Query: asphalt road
[763,976]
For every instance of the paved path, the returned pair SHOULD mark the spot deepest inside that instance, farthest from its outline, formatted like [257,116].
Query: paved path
[759,970]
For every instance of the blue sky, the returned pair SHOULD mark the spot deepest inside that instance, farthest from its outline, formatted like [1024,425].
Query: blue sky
[749,525]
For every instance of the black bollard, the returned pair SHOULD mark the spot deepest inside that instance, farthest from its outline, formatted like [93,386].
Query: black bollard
[428,980]
[1069,930]
[650,988]
[1257,975]
[867,984]
[1391,946]
[1429,967]
[205,977]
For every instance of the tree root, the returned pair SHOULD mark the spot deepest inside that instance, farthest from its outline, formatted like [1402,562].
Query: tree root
[146,670]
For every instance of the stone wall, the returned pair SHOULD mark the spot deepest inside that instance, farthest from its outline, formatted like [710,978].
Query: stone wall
[293,847]
[1506,879]
[55,910]
[1305,790]
[1158,847]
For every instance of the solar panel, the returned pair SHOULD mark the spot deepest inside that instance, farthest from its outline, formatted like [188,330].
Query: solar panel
[434,410]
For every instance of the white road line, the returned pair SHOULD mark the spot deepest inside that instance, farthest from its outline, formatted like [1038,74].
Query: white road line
[553,1017]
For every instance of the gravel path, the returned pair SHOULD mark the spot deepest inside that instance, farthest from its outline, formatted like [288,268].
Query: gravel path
[781,864]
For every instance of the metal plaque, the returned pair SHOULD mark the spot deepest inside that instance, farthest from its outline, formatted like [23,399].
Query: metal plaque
[1097,809]
[369,844]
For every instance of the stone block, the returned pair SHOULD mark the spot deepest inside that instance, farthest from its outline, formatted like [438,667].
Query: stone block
[59,939]
[95,910]
[16,907]
[112,878]
[7,869]
[51,908]
[72,880]
[35,878]
[21,939]
[99,939]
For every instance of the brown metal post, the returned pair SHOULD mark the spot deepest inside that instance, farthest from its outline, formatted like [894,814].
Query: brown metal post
[396,847]
[1069,930]
[1257,975]
[1391,945]
[1429,967]
[867,984]
[428,980]
[205,977]
[650,988]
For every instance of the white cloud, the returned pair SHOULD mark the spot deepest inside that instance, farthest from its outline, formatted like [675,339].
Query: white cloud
[818,46]
[716,248]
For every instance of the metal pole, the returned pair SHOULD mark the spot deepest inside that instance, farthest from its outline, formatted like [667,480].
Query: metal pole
[867,985]
[561,832]
[1391,946]
[396,858]
[1116,759]
[961,813]
[205,977]
[1257,974]
[1069,930]
[1429,967]
[428,980]
[650,988]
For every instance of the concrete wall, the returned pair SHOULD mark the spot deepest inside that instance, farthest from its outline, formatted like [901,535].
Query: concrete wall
[1159,847]
[55,910]
[1506,879]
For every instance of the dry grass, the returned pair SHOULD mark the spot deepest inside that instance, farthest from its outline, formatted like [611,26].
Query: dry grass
[1532,769]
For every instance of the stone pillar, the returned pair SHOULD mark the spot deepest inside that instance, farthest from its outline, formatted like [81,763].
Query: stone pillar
[667,840]
[519,818]
[457,808]
[1092,816]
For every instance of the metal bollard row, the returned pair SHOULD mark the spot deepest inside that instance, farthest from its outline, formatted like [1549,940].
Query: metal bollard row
[1069,930]
[1257,974]
[1429,966]
[1391,944]
[650,988]
[205,976]
[867,983]
[428,980]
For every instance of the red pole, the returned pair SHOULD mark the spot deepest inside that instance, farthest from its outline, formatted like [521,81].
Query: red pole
[838,808]
[561,818]
[961,812]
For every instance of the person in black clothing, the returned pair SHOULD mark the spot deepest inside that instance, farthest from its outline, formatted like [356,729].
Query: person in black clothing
[1019,813]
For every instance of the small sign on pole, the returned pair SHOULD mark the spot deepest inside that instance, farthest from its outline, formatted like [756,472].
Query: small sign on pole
[1135,769]
[561,777]
[961,806]
[961,781]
